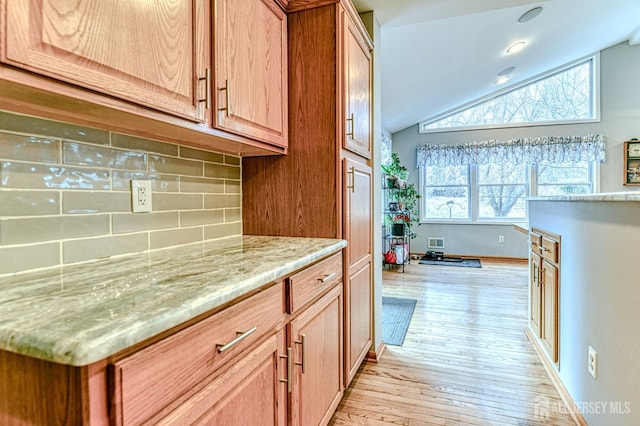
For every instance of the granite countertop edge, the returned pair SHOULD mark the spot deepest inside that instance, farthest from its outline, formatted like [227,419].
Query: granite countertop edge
[605,196]
[82,314]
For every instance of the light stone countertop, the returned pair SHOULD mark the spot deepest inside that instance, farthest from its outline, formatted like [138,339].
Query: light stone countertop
[84,313]
[604,196]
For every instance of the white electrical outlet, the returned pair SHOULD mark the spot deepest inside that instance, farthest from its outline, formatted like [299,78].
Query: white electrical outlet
[501,239]
[593,362]
[141,196]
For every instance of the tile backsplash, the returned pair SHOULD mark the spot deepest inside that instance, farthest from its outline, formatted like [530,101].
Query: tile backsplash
[65,194]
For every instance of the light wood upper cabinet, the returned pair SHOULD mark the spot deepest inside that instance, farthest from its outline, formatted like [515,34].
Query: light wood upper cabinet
[250,68]
[148,52]
[357,90]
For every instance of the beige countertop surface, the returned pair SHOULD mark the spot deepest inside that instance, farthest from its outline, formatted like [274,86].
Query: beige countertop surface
[603,196]
[83,313]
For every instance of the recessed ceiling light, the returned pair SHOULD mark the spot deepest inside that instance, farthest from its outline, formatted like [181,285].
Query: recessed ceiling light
[516,47]
[530,14]
[506,71]
[502,79]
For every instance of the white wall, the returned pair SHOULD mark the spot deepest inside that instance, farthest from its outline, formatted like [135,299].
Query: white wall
[620,113]
[599,303]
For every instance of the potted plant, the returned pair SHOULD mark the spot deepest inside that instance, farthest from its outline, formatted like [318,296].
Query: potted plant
[405,195]
[395,174]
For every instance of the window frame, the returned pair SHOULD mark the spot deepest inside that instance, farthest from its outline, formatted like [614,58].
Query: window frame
[595,101]
[531,184]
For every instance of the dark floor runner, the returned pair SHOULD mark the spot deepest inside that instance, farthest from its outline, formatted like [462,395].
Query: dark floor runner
[396,316]
[453,261]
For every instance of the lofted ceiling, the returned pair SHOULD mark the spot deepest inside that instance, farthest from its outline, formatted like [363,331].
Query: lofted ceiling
[437,55]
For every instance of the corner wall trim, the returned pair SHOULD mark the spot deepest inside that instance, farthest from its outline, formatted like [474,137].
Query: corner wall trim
[575,414]
[375,356]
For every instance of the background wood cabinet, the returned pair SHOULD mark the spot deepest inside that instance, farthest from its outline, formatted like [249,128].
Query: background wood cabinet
[544,284]
[316,336]
[250,57]
[323,187]
[357,93]
[149,53]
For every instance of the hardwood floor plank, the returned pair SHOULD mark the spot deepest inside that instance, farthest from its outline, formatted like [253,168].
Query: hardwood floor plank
[465,359]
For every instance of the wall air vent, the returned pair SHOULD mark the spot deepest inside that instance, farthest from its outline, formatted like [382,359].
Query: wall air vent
[435,243]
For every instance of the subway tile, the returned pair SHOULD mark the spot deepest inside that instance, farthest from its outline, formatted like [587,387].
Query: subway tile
[129,222]
[175,166]
[201,185]
[159,183]
[95,248]
[232,160]
[232,215]
[29,203]
[201,217]
[39,176]
[89,155]
[221,201]
[39,126]
[221,172]
[33,230]
[232,187]
[197,154]
[134,142]
[74,202]
[24,258]
[222,230]
[163,201]
[174,237]
[29,148]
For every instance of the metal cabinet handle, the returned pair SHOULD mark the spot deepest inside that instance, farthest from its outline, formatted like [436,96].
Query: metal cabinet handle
[227,89]
[207,95]
[225,347]
[352,172]
[304,355]
[327,277]
[289,378]
[350,119]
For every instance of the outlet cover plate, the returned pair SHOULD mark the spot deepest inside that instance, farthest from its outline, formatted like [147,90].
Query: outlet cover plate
[141,196]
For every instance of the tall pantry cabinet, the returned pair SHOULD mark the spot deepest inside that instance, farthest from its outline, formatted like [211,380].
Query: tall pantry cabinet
[323,187]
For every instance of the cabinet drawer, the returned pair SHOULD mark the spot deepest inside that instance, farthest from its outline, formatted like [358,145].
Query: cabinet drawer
[549,250]
[313,281]
[535,242]
[146,382]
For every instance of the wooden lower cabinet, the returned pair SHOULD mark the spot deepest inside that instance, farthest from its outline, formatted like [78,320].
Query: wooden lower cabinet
[316,339]
[248,393]
[544,286]
[287,369]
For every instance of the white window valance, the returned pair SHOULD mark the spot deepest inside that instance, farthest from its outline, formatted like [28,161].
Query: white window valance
[556,149]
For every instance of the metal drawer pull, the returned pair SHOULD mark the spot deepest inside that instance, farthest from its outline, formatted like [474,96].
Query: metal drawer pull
[224,347]
[288,380]
[544,249]
[304,355]
[327,277]
[352,172]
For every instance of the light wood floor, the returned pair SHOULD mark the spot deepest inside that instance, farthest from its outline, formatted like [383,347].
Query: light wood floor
[465,360]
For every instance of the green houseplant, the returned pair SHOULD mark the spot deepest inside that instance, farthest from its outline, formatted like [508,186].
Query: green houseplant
[406,195]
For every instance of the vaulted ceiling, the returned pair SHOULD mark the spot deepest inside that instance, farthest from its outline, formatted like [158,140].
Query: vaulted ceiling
[437,55]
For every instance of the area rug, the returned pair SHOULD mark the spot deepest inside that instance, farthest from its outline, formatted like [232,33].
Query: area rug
[452,261]
[396,316]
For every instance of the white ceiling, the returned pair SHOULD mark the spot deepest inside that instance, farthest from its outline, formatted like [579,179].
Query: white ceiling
[439,54]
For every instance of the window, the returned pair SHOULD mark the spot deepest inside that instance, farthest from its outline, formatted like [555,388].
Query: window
[501,191]
[497,192]
[446,192]
[563,95]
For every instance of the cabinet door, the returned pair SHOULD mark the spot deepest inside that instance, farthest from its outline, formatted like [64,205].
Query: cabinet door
[357,223]
[316,339]
[250,392]
[550,309]
[357,302]
[250,59]
[535,290]
[149,53]
[357,88]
